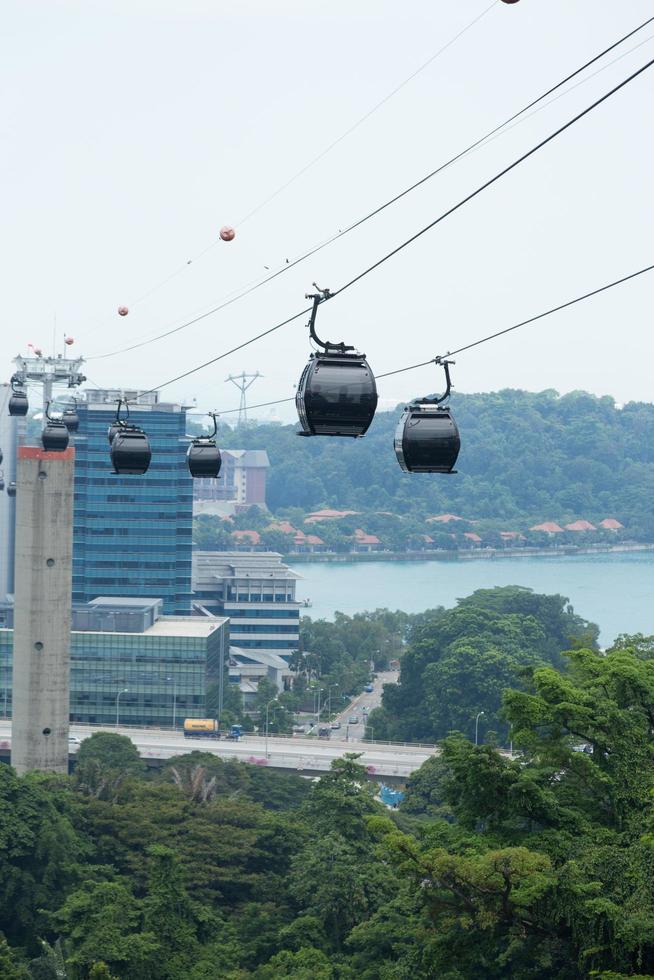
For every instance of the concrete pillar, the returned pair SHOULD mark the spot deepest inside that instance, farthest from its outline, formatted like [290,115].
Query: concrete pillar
[42,615]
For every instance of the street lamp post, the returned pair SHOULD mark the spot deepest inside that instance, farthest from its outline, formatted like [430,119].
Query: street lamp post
[479,714]
[272,701]
[124,691]
[329,701]
[317,712]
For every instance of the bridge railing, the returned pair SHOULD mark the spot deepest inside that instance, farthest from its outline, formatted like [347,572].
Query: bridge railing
[272,737]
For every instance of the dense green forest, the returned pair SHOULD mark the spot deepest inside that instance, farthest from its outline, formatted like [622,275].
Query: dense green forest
[525,458]
[537,867]
[458,662]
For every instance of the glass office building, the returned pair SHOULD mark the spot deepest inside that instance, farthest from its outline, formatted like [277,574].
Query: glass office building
[133,534]
[150,670]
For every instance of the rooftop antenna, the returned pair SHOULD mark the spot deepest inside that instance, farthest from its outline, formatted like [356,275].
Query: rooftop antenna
[243,381]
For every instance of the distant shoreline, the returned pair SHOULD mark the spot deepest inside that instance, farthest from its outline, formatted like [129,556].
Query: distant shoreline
[473,554]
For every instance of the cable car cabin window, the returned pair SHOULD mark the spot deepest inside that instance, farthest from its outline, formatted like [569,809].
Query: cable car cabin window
[427,440]
[337,396]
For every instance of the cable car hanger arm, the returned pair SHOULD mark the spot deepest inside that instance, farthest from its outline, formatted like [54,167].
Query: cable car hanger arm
[437,399]
[320,297]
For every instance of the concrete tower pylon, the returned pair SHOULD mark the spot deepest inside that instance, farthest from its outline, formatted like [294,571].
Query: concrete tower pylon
[42,618]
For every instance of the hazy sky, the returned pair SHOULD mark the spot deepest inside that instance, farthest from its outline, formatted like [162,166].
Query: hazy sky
[131,131]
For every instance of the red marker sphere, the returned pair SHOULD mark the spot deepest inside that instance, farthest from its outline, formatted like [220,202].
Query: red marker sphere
[122,311]
[227,233]
[69,341]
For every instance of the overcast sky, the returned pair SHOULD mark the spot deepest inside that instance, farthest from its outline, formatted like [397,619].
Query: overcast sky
[132,131]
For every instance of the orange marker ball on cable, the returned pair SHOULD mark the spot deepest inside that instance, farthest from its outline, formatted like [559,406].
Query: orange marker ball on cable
[122,311]
[227,233]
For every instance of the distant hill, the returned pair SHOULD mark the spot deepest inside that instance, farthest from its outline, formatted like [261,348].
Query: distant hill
[525,456]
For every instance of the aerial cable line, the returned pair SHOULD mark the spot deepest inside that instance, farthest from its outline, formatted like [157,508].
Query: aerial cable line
[323,153]
[495,132]
[409,241]
[487,338]
[339,139]
[493,180]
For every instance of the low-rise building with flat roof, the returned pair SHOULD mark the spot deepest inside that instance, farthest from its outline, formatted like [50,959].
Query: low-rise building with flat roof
[131,665]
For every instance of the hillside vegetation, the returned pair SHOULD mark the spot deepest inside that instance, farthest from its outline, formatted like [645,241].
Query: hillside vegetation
[525,458]
[538,867]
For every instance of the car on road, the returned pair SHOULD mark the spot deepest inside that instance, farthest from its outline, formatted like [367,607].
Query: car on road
[354,720]
[369,688]
[74,740]
[336,725]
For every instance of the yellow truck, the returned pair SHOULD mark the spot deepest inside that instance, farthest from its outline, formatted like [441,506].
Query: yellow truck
[201,728]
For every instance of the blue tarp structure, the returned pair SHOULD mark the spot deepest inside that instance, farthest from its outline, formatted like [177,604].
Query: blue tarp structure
[391,797]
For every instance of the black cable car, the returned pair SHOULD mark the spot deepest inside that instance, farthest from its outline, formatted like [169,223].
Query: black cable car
[130,451]
[1,457]
[70,418]
[11,490]
[427,439]
[113,429]
[337,394]
[203,456]
[2,481]
[55,436]
[18,403]
[130,447]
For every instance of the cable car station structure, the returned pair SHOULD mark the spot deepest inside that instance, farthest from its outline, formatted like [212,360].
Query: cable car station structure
[44,492]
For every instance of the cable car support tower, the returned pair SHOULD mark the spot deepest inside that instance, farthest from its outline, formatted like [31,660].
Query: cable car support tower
[43,583]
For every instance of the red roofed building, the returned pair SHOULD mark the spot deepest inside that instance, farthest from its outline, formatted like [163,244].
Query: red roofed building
[580,526]
[251,538]
[610,524]
[282,526]
[365,542]
[549,527]
[512,536]
[471,536]
[309,543]
[444,519]
[328,515]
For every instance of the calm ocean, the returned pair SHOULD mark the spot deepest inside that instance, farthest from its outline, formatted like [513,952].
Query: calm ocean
[616,591]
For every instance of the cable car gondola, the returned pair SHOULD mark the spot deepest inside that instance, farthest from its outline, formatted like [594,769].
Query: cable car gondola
[18,403]
[11,490]
[1,457]
[2,481]
[427,439]
[203,456]
[70,418]
[130,447]
[337,394]
[55,436]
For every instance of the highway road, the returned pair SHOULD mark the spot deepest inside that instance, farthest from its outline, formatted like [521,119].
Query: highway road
[362,705]
[299,754]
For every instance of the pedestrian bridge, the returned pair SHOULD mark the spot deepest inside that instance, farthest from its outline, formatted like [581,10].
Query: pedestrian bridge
[392,762]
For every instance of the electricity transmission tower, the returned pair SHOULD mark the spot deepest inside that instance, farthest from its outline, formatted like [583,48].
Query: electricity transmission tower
[243,381]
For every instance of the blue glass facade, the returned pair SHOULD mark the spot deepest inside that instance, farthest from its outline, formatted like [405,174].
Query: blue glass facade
[133,534]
